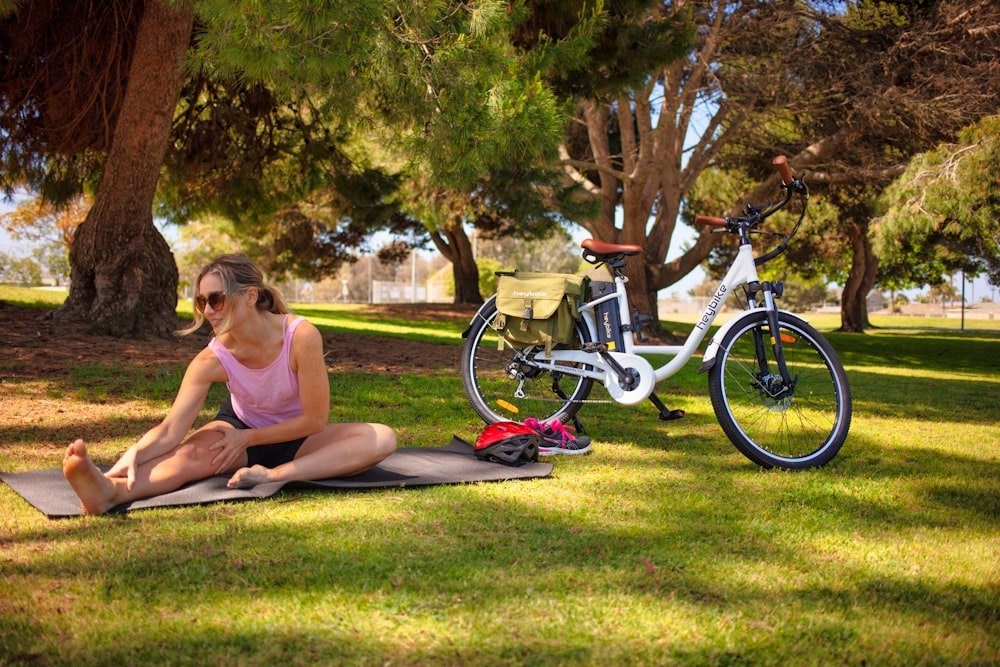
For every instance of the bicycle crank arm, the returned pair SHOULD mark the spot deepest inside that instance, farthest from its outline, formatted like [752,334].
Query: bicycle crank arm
[630,378]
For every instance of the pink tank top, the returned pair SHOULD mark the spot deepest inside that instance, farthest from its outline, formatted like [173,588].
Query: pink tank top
[263,396]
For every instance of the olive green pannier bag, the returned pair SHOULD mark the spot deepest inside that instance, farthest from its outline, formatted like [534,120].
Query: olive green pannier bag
[538,308]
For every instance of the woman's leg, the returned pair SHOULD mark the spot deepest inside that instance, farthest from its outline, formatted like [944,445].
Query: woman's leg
[189,461]
[340,450]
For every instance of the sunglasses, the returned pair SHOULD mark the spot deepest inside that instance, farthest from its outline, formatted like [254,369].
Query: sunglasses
[216,300]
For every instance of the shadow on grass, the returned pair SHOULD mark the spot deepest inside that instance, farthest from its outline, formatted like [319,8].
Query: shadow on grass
[477,555]
[944,352]
[636,554]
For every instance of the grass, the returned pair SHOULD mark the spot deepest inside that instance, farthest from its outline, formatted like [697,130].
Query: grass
[664,546]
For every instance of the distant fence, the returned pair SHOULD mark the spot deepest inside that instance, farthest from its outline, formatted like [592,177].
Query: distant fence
[387,292]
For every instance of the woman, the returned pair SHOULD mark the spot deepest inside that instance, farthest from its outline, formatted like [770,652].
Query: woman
[273,427]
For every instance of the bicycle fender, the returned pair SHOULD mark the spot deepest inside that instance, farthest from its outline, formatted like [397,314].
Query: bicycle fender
[479,313]
[713,345]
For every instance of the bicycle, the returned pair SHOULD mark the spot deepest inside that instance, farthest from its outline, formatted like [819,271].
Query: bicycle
[783,400]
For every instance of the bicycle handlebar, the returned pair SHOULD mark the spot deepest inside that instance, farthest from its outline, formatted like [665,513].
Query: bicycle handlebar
[755,215]
[781,164]
[709,221]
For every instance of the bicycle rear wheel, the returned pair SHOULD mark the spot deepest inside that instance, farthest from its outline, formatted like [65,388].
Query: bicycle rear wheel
[777,426]
[492,376]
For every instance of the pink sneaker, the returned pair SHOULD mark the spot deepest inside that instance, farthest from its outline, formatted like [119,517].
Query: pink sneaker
[556,438]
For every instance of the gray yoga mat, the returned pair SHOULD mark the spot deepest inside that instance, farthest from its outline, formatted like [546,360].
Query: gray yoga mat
[50,493]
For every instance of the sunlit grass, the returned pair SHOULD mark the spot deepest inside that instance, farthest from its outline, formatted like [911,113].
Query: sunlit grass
[359,319]
[32,296]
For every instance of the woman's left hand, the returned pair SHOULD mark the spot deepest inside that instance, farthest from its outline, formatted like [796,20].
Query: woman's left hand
[228,449]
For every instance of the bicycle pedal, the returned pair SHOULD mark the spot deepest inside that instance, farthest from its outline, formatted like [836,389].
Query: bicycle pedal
[671,415]
[666,414]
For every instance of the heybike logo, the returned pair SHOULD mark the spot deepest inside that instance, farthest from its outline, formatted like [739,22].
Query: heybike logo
[609,330]
[713,307]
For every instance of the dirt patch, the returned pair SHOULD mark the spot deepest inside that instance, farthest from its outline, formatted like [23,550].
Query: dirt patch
[33,347]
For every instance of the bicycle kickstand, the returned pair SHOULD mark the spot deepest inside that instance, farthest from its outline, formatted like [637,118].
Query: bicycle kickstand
[666,414]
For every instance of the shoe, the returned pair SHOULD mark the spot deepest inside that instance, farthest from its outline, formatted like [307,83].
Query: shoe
[556,438]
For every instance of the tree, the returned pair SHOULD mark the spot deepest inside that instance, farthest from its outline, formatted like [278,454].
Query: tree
[463,101]
[20,271]
[489,167]
[942,215]
[849,96]
[124,277]
[632,144]
[40,221]
[54,258]
[880,83]
[52,228]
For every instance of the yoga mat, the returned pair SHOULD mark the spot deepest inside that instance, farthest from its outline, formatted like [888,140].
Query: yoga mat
[50,493]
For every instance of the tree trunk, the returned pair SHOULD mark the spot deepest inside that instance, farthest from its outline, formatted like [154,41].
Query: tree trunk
[860,280]
[453,243]
[124,278]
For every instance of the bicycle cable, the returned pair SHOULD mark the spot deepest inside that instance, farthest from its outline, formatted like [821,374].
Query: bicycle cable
[799,186]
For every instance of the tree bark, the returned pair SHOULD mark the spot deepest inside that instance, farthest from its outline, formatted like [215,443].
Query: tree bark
[124,277]
[453,243]
[860,280]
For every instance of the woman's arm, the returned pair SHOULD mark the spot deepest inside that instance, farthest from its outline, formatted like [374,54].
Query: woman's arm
[203,370]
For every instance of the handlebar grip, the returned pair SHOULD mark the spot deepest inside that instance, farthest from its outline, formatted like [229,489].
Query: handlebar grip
[781,164]
[709,220]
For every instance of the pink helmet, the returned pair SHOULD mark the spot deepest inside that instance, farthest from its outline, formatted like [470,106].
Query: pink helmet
[509,443]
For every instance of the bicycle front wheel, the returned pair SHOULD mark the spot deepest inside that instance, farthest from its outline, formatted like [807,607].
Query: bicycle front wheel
[777,425]
[506,385]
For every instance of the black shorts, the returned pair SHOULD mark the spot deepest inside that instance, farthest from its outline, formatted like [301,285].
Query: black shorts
[269,456]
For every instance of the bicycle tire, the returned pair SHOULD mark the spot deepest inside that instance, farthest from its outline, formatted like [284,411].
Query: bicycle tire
[491,376]
[805,429]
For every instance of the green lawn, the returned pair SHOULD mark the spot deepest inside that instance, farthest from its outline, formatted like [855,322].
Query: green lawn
[664,546]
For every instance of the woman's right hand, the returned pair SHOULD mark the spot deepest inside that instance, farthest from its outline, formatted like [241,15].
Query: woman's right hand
[125,467]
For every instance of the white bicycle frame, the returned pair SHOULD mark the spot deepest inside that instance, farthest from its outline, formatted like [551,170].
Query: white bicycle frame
[742,271]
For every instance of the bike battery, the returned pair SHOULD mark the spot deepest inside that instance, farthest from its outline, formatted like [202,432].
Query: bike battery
[609,323]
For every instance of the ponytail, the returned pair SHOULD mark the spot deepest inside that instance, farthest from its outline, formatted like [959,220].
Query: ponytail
[269,298]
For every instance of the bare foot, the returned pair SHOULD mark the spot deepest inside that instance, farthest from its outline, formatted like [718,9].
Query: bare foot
[96,491]
[246,477]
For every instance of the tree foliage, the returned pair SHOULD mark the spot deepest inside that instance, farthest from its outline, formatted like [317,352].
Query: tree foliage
[273,95]
[61,89]
[876,83]
[943,213]
[38,220]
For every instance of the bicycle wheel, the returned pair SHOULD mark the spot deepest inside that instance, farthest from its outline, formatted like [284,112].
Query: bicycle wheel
[492,376]
[774,425]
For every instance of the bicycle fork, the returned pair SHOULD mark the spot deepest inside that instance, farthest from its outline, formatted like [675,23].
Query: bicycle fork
[774,387]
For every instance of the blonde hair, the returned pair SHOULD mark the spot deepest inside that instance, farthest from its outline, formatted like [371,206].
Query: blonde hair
[238,273]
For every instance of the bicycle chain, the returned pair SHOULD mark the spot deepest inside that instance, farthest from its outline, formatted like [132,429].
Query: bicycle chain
[560,400]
